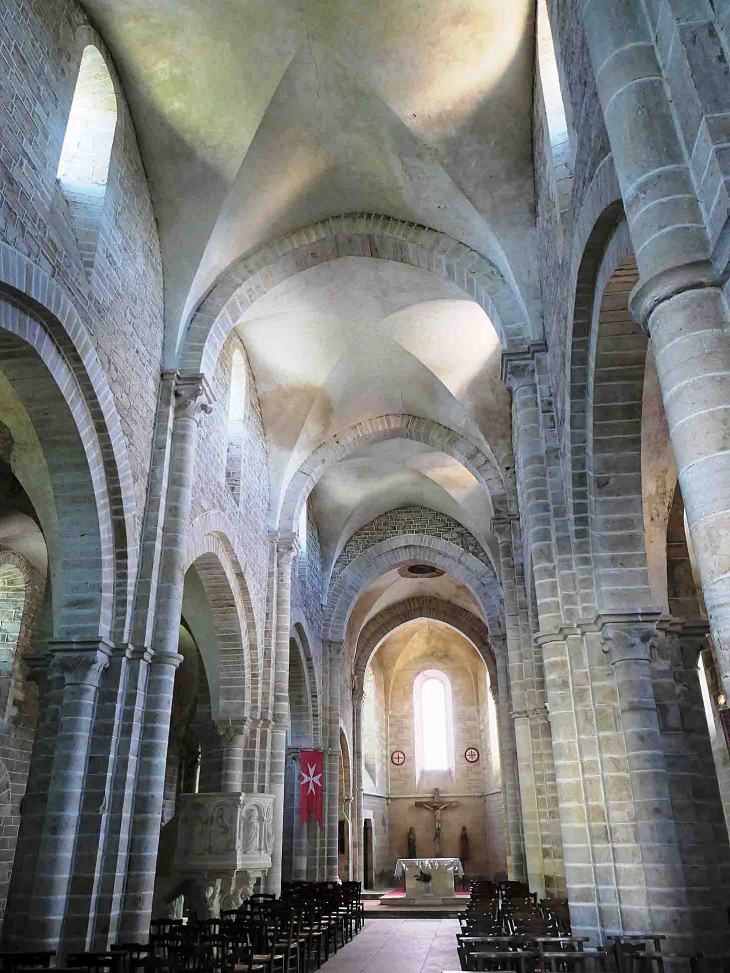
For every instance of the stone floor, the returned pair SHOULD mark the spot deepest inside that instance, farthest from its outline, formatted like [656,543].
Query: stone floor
[399,946]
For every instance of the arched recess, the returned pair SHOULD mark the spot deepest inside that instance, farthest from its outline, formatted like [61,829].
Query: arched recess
[301,639]
[602,210]
[210,534]
[37,310]
[349,235]
[76,520]
[410,549]
[482,466]
[607,388]
[381,625]
[227,656]
[301,722]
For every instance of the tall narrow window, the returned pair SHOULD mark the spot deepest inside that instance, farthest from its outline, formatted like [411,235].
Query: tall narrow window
[236,424]
[433,723]
[493,731]
[83,169]
[558,131]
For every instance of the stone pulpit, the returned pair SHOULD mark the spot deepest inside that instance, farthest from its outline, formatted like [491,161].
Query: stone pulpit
[224,844]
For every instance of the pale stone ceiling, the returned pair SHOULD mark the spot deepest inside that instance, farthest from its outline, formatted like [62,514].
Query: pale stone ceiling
[257,118]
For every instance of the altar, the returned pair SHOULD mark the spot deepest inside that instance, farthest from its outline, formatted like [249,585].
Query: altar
[441,886]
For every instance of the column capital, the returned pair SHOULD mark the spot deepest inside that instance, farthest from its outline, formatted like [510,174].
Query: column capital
[81,663]
[628,638]
[649,294]
[287,545]
[193,396]
[229,731]
[518,367]
[502,528]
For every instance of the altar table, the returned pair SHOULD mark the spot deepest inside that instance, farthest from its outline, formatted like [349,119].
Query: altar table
[441,870]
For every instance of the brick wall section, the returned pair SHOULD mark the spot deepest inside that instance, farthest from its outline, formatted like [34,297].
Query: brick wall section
[122,305]
[407,520]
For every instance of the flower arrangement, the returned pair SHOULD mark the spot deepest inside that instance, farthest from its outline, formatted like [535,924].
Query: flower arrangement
[424,877]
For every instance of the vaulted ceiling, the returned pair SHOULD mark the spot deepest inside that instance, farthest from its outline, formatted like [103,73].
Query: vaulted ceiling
[259,117]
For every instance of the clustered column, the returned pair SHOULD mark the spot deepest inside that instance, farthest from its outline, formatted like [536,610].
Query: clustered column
[515,847]
[287,548]
[189,405]
[335,652]
[233,743]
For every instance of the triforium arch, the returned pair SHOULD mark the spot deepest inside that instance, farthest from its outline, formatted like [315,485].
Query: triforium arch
[391,618]
[37,310]
[349,235]
[482,466]
[408,549]
[212,557]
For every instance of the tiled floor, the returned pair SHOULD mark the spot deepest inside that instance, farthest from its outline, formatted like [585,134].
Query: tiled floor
[399,946]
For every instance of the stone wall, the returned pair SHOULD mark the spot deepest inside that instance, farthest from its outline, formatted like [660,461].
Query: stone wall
[121,304]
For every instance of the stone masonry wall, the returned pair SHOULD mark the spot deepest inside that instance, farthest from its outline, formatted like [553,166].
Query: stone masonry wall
[407,520]
[41,43]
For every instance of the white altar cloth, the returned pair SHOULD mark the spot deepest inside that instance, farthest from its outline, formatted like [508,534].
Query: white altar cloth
[441,870]
[404,865]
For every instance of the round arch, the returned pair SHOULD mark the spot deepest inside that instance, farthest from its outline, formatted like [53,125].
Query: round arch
[301,717]
[349,235]
[299,633]
[483,467]
[407,549]
[381,625]
[37,310]
[230,679]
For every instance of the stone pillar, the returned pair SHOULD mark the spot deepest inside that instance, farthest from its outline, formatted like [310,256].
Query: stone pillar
[679,299]
[287,548]
[357,850]
[514,840]
[233,741]
[335,653]
[684,858]
[81,665]
[190,393]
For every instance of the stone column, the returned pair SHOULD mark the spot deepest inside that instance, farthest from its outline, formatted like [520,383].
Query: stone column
[357,850]
[190,403]
[287,548]
[233,742]
[680,298]
[335,653]
[81,665]
[514,840]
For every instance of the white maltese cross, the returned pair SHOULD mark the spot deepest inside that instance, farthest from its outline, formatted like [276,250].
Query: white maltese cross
[311,778]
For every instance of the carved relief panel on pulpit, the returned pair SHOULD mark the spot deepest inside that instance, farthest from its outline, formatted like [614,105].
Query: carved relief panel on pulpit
[225,842]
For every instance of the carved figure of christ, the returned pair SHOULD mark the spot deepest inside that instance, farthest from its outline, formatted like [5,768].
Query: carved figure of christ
[437,807]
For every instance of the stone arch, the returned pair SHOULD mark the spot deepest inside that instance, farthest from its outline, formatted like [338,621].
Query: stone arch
[299,632]
[36,309]
[601,211]
[349,235]
[437,609]
[301,718]
[211,533]
[407,549]
[684,596]
[613,372]
[482,466]
[230,679]
[86,582]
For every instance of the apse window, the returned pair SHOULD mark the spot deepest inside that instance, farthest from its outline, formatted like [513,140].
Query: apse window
[83,168]
[236,423]
[434,723]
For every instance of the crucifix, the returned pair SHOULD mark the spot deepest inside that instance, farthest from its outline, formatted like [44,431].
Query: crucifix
[437,807]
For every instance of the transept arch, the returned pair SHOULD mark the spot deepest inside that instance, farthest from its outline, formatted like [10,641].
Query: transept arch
[405,549]
[350,235]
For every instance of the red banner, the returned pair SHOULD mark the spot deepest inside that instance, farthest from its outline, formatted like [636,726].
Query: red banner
[311,768]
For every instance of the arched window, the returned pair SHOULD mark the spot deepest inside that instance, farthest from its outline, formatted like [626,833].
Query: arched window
[434,723]
[370,727]
[84,165]
[557,121]
[237,402]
